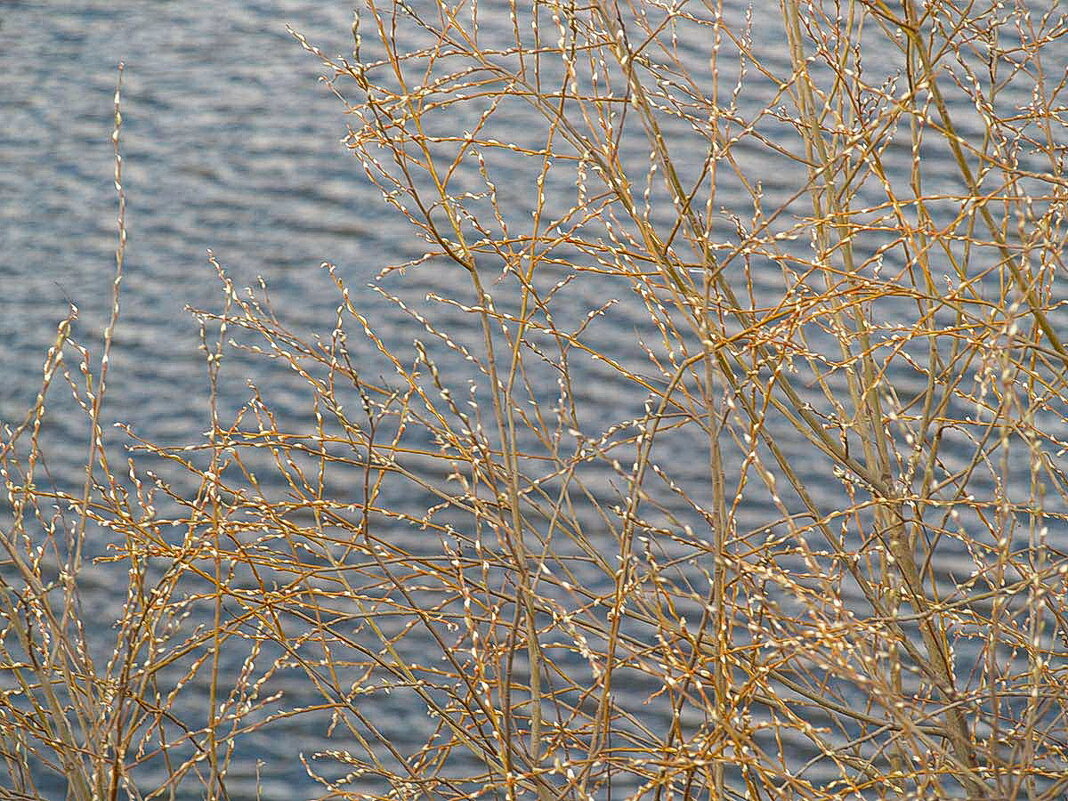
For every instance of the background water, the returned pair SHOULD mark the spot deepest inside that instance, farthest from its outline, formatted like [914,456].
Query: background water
[230,144]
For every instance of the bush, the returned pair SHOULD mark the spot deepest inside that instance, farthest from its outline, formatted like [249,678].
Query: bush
[727,464]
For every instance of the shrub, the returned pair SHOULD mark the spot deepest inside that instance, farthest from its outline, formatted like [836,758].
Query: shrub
[726,463]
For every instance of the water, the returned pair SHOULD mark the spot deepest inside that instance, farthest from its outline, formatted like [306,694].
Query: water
[232,145]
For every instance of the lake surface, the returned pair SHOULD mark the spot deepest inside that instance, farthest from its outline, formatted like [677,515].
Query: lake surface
[230,144]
